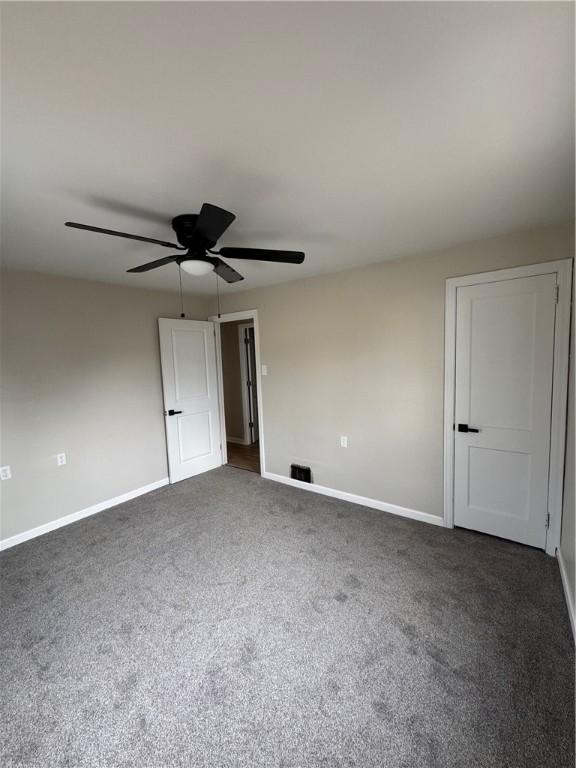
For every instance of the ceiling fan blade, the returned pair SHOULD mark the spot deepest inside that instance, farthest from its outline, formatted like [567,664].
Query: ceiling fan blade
[226,272]
[122,234]
[154,264]
[213,222]
[262,254]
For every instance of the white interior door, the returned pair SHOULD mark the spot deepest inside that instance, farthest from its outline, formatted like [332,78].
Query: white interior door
[189,379]
[504,367]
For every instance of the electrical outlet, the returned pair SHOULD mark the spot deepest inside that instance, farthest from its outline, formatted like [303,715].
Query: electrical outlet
[343,442]
[5,473]
[61,459]
[264,370]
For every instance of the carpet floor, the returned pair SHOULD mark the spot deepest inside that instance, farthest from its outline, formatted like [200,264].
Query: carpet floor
[228,621]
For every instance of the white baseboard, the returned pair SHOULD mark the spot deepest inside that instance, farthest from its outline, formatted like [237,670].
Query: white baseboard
[364,501]
[19,538]
[567,593]
[237,440]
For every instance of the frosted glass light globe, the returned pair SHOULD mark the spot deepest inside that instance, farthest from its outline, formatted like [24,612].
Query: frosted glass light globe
[197,268]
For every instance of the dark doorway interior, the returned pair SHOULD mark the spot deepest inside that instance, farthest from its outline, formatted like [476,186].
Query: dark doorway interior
[240,394]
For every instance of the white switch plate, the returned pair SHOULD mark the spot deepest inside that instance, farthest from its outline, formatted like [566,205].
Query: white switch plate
[5,473]
[264,370]
[343,442]
[60,459]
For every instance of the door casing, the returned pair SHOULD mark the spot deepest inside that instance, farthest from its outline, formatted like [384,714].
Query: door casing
[563,271]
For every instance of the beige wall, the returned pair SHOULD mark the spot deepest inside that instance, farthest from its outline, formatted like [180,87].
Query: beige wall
[357,353]
[80,375]
[360,353]
[568,522]
[232,380]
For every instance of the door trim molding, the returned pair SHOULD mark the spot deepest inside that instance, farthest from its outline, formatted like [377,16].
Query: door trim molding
[563,270]
[248,314]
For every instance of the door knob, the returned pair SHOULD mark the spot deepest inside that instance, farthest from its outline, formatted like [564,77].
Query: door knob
[171,412]
[466,428]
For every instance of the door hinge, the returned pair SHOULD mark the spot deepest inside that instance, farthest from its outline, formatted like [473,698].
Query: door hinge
[250,424]
[547,520]
[556,293]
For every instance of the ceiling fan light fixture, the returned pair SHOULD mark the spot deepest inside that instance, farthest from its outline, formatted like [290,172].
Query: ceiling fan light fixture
[196,267]
[197,234]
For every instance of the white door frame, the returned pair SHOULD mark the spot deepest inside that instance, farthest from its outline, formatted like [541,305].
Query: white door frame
[563,271]
[230,317]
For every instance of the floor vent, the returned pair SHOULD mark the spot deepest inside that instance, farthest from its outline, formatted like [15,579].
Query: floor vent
[297,472]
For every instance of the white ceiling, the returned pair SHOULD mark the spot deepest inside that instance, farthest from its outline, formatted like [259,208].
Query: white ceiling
[355,132]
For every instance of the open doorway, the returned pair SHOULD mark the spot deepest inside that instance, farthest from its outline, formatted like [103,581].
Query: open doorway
[238,356]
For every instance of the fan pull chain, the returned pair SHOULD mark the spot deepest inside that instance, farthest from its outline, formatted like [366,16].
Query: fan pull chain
[181,297]
[218,295]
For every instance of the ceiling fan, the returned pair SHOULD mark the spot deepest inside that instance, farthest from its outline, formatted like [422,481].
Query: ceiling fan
[197,234]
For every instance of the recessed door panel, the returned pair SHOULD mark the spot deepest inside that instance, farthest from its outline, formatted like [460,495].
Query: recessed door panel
[190,364]
[502,360]
[508,492]
[194,434]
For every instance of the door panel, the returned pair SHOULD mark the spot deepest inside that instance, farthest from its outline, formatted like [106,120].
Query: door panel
[188,356]
[508,491]
[190,363]
[504,364]
[194,433]
[248,376]
[252,377]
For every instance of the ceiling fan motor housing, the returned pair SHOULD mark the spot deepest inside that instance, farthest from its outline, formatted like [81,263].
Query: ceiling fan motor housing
[186,234]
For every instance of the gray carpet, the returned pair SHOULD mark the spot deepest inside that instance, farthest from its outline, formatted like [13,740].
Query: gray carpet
[231,621]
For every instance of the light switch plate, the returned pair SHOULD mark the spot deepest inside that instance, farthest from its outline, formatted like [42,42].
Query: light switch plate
[5,473]
[60,459]
[264,370]
[343,442]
